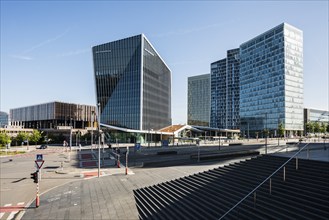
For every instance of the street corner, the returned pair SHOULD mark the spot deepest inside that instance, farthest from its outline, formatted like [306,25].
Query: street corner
[120,171]
[62,171]
[93,174]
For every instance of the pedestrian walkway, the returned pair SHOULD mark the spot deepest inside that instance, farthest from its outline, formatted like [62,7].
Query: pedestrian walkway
[108,197]
[111,196]
[8,211]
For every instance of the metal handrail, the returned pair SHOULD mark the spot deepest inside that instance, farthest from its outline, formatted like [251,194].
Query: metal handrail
[264,181]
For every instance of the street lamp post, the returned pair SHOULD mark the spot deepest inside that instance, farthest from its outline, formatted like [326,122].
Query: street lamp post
[156,139]
[127,152]
[151,135]
[148,137]
[266,133]
[198,153]
[278,133]
[99,139]
[70,134]
[92,128]
[248,131]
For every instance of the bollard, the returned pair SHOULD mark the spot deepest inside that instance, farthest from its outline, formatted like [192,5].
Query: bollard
[37,201]
[296,162]
[118,160]
[271,186]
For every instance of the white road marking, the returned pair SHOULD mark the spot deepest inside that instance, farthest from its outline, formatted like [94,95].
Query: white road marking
[20,203]
[11,215]
[53,199]
[68,192]
[1,214]
[7,205]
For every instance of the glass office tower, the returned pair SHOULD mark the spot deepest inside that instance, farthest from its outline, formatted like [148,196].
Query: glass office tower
[271,81]
[133,84]
[198,100]
[225,92]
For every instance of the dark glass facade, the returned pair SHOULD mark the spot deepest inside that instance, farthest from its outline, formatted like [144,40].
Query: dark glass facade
[198,100]
[156,90]
[133,84]
[225,92]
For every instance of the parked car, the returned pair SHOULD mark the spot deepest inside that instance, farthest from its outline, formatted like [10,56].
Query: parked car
[43,146]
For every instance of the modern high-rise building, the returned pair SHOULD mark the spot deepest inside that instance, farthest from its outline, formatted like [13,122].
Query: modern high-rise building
[271,81]
[133,84]
[225,92]
[198,100]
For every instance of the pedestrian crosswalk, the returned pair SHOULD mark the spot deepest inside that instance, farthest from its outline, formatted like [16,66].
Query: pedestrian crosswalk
[8,211]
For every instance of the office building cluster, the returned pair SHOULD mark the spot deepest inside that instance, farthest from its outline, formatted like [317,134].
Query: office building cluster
[258,85]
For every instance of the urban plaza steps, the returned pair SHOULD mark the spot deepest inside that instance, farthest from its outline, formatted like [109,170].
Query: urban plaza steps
[209,195]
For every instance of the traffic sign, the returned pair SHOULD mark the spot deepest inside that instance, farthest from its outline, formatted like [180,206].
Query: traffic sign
[39,163]
[39,157]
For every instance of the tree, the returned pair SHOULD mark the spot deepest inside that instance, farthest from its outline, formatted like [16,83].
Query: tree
[323,128]
[22,137]
[316,127]
[266,132]
[4,139]
[310,127]
[35,136]
[328,127]
[280,129]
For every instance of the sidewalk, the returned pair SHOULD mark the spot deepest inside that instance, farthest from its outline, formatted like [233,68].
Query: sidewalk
[109,197]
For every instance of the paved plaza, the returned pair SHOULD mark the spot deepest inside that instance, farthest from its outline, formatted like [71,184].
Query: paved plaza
[108,197]
[111,196]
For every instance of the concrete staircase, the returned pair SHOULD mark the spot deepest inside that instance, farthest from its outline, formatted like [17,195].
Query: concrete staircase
[304,194]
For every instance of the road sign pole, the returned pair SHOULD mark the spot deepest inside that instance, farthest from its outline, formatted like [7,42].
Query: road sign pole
[37,200]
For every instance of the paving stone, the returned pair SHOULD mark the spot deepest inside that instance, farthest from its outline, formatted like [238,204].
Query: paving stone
[108,197]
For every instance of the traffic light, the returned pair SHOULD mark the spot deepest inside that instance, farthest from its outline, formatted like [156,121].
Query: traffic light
[34,176]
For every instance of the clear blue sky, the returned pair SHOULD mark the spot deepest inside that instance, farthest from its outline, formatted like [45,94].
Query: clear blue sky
[46,46]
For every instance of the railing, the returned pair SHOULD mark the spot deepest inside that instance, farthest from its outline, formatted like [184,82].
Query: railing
[269,178]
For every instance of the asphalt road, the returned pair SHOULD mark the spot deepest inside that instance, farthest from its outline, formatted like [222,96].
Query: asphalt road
[17,189]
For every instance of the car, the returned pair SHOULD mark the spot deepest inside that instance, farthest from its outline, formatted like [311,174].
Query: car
[43,146]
